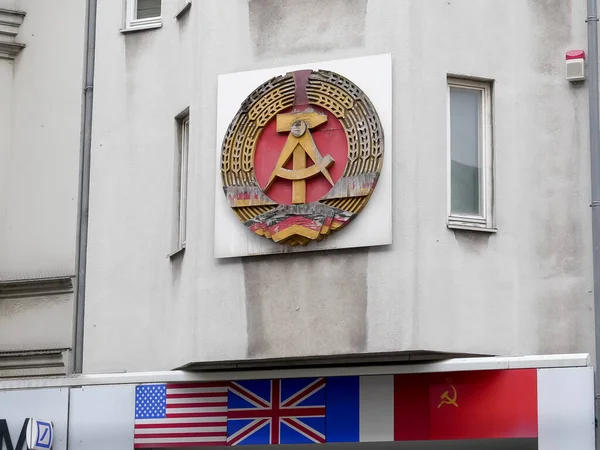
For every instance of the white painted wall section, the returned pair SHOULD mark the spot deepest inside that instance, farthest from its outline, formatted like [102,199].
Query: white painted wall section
[566,408]
[102,417]
[377,408]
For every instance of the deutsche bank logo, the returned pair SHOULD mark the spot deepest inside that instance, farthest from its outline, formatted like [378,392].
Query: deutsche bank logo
[44,435]
[39,435]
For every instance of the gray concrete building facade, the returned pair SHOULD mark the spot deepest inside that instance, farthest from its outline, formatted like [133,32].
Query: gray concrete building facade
[518,282]
[524,288]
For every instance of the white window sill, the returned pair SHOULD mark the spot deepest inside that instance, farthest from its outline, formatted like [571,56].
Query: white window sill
[184,9]
[470,226]
[142,27]
[179,252]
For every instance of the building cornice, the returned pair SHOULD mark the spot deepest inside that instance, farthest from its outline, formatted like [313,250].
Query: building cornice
[33,363]
[10,21]
[36,287]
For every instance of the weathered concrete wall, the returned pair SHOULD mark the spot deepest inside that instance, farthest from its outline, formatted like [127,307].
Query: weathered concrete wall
[523,290]
[40,119]
[38,199]
[32,323]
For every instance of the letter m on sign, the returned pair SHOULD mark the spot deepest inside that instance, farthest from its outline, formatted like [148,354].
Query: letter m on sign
[6,441]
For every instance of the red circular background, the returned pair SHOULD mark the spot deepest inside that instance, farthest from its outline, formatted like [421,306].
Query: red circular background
[330,139]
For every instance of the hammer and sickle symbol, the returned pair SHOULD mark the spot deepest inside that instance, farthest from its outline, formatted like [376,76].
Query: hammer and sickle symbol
[447,400]
[299,144]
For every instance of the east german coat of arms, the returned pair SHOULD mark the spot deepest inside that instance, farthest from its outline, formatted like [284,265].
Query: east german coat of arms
[302,156]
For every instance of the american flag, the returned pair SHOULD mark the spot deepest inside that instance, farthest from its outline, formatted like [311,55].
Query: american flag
[290,411]
[180,415]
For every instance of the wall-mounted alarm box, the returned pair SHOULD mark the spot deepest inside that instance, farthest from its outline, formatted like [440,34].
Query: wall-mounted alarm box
[575,61]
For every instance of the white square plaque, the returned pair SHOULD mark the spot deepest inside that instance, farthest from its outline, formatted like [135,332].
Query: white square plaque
[373,225]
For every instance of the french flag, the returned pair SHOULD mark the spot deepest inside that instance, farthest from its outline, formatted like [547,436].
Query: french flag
[360,409]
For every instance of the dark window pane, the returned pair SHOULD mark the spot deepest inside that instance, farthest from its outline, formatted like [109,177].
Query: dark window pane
[147,9]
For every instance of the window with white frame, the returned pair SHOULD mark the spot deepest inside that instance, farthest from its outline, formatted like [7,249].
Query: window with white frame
[143,13]
[180,225]
[470,154]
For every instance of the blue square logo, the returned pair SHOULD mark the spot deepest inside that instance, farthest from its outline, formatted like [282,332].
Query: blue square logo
[44,435]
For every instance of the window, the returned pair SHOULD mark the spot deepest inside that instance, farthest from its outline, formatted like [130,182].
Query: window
[470,154]
[181,182]
[143,14]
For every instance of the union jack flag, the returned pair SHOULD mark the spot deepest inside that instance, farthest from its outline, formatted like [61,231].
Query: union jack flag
[290,411]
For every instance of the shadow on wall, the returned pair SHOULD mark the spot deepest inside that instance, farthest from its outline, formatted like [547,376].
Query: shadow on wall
[307,304]
[280,27]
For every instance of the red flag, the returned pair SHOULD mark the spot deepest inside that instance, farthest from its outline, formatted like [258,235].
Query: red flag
[483,404]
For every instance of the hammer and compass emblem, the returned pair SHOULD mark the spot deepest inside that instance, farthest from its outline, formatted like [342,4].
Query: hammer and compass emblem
[298,145]
[287,177]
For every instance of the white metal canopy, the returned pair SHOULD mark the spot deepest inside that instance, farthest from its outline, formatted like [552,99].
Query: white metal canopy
[178,376]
